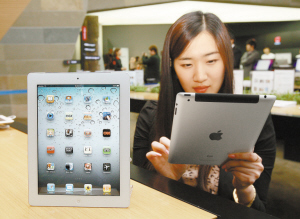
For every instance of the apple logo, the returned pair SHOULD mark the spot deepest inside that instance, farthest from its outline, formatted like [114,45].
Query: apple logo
[216,136]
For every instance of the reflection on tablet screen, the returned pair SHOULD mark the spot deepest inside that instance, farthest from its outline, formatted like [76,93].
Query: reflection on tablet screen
[78,140]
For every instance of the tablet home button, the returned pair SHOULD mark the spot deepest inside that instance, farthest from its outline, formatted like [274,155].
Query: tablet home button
[78,201]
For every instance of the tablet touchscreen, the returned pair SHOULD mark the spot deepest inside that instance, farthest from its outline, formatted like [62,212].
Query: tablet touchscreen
[78,139]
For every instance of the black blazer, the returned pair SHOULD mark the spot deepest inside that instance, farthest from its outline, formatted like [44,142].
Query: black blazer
[116,64]
[265,147]
[237,53]
[152,68]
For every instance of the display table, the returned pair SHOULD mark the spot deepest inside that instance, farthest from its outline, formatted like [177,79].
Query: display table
[153,195]
[296,87]
[287,125]
[145,202]
[138,100]
[293,111]
[143,95]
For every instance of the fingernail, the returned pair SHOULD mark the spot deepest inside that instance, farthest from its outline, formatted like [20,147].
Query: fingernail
[157,154]
[167,151]
[231,155]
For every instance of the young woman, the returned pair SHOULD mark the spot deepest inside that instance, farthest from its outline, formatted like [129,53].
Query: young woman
[116,62]
[197,57]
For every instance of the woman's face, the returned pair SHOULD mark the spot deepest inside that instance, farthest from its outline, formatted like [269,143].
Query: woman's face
[200,68]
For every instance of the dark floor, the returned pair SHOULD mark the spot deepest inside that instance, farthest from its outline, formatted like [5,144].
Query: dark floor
[284,192]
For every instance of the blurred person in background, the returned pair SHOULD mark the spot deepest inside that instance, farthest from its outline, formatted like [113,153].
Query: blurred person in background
[132,64]
[250,57]
[139,63]
[116,63]
[298,56]
[108,57]
[152,73]
[237,53]
[267,54]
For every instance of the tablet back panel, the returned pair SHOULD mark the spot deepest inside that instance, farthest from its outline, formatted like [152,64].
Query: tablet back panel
[207,127]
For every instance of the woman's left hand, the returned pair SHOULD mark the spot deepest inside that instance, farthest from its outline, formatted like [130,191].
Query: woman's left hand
[245,168]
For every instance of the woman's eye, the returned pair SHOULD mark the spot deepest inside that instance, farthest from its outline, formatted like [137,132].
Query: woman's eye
[186,65]
[211,61]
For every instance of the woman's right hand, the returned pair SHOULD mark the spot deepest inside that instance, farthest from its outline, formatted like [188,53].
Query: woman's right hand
[159,159]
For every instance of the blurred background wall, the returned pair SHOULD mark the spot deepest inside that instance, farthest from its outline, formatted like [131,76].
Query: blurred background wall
[37,35]
[38,40]
[139,37]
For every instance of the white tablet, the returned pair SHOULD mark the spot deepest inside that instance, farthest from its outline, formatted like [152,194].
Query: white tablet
[208,127]
[79,139]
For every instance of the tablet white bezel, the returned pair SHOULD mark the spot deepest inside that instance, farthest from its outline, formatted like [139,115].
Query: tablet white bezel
[35,79]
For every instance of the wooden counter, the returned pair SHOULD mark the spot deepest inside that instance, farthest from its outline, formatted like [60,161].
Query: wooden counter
[153,195]
[143,95]
[145,201]
[286,111]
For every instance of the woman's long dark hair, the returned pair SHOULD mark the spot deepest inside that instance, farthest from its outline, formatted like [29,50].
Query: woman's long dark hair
[180,34]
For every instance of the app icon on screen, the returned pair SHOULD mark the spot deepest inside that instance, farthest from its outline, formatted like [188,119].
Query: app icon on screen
[50,132]
[87,99]
[50,116]
[106,132]
[69,99]
[69,166]
[50,166]
[87,150]
[87,133]
[106,116]
[69,132]
[106,188]
[50,149]
[106,167]
[88,166]
[50,98]
[106,99]
[69,116]
[88,187]
[50,187]
[69,188]
[106,150]
[69,150]
[87,116]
